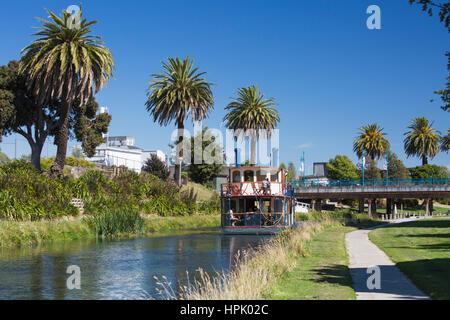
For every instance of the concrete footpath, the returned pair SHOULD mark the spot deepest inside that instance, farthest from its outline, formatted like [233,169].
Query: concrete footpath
[393,284]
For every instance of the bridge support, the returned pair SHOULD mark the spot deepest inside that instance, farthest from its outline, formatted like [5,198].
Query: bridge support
[428,203]
[389,203]
[361,205]
[370,207]
[374,207]
[316,205]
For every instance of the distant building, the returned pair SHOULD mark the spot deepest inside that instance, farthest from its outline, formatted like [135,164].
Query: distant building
[121,151]
[319,175]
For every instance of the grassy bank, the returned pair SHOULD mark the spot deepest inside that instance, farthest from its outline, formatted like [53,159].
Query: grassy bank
[14,233]
[256,272]
[421,250]
[309,262]
[322,274]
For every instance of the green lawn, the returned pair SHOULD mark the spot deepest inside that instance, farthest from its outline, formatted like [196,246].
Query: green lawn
[323,274]
[421,249]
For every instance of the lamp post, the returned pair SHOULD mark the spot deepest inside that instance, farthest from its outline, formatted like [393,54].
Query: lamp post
[387,169]
[363,163]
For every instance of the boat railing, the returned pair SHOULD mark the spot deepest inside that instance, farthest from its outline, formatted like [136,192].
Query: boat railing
[255,219]
[251,188]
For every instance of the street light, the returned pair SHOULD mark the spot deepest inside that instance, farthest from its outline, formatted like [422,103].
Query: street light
[363,162]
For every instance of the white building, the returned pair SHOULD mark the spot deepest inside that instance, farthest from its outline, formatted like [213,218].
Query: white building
[161,156]
[121,151]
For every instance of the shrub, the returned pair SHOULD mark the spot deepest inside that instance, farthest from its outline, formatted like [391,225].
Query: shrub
[156,167]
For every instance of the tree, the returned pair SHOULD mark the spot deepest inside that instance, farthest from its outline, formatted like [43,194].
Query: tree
[341,167]
[206,171]
[250,113]
[3,157]
[371,142]
[88,126]
[444,16]
[444,9]
[283,166]
[179,92]
[429,171]
[77,152]
[396,168]
[422,140]
[156,167]
[445,142]
[291,173]
[371,170]
[65,66]
[21,114]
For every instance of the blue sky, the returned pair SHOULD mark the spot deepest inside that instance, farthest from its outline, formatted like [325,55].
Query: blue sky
[328,73]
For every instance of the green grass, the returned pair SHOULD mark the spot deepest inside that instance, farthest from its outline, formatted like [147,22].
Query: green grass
[421,250]
[322,274]
[202,192]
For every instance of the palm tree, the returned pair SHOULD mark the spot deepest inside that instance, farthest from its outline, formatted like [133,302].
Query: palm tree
[445,142]
[422,140]
[371,142]
[65,65]
[177,93]
[250,113]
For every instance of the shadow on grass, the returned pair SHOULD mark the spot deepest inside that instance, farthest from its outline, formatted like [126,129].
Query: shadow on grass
[426,235]
[444,223]
[430,275]
[335,274]
[437,247]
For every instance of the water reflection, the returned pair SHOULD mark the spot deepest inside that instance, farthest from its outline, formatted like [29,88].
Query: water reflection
[116,270]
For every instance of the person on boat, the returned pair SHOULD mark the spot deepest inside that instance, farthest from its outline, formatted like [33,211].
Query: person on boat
[266,186]
[233,218]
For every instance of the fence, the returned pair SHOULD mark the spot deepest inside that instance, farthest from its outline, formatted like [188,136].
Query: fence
[368,182]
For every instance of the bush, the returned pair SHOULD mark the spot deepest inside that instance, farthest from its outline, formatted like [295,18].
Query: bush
[46,163]
[156,167]
[26,194]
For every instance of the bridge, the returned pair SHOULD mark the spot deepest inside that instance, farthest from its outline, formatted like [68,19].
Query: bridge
[372,189]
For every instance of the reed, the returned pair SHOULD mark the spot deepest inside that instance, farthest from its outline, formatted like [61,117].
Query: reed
[116,222]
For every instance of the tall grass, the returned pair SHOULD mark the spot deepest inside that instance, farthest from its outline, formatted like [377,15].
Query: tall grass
[115,223]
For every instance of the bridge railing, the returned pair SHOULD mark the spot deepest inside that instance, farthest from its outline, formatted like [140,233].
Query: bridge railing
[311,183]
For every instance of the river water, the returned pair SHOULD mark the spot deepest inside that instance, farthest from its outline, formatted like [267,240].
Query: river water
[117,269]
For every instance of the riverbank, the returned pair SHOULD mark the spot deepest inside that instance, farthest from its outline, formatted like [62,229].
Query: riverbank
[309,262]
[322,274]
[15,234]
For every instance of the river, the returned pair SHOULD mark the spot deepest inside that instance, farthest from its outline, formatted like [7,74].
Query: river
[117,269]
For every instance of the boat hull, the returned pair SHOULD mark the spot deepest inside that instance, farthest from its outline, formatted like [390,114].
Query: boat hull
[254,231]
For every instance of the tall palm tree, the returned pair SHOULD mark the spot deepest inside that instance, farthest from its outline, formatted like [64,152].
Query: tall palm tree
[445,142]
[422,140]
[179,92]
[371,141]
[65,65]
[251,113]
